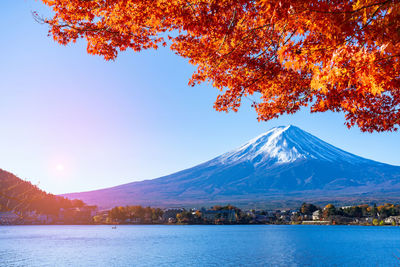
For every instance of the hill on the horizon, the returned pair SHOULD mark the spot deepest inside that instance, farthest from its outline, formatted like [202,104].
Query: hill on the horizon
[283,165]
[17,195]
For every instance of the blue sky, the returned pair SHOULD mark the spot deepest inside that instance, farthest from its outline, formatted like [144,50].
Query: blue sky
[74,122]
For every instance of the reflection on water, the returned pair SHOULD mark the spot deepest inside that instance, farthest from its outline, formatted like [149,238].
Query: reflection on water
[239,245]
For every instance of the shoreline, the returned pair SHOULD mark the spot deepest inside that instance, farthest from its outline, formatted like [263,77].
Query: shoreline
[168,224]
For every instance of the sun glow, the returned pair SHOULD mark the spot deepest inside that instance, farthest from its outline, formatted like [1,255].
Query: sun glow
[60,167]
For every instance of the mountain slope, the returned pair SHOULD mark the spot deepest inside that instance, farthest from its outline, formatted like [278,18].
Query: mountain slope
[282,164]
[17,195]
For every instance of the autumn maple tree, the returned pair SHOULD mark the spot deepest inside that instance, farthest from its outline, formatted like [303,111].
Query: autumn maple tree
[342,56]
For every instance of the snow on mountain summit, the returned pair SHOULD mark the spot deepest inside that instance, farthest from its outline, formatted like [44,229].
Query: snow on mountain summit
[285,144]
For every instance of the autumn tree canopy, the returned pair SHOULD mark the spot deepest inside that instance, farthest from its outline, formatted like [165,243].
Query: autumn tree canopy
[335,55]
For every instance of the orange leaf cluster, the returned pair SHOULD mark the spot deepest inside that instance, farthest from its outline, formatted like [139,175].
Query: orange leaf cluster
[334,55]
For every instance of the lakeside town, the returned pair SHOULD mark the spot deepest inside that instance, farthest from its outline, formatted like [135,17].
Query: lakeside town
[387,214]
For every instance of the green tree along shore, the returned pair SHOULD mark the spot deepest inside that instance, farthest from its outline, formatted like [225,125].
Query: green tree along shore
[387,214]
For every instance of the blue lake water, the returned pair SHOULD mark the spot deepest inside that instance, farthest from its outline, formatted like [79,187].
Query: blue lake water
[164,245]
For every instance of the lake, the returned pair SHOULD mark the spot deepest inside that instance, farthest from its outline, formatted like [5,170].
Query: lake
[199,245]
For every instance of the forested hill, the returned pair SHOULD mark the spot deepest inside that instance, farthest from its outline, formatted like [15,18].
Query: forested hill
[20,196]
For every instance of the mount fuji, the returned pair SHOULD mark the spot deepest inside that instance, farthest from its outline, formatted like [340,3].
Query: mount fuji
[283,165]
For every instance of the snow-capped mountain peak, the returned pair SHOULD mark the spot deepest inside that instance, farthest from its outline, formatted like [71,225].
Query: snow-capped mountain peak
[285,163]
[286,144]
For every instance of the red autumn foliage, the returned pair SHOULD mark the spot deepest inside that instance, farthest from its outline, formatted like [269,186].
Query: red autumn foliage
[341,56]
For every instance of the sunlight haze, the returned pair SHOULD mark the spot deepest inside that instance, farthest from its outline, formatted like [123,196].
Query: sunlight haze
[98,124]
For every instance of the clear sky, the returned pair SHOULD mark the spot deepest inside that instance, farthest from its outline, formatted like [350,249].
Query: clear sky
[74,122]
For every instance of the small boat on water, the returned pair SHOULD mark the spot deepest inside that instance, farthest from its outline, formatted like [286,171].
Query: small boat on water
[114,227]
